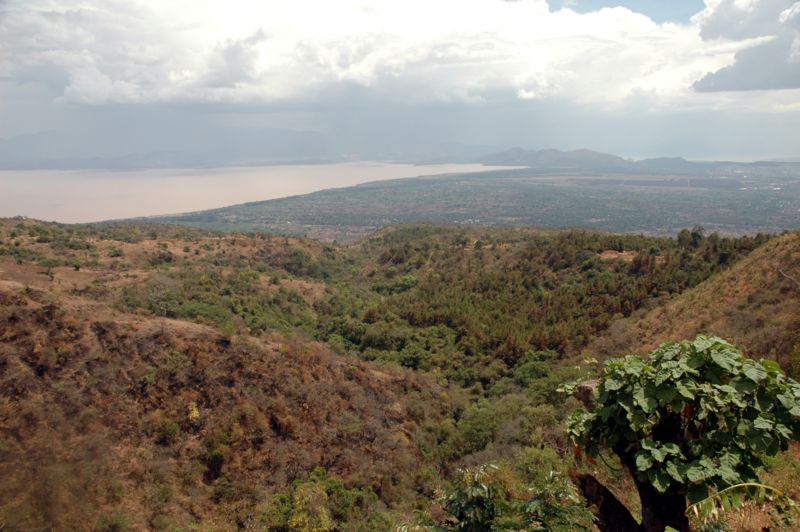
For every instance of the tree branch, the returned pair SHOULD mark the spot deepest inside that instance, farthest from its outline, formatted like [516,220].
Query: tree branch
[795,281]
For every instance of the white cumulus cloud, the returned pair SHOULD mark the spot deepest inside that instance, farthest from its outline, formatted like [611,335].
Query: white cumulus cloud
[112,51]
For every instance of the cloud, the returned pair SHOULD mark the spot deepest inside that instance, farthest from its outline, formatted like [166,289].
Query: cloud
[773,63]
[234,62]
[392,79]
[791,16]
[449,50]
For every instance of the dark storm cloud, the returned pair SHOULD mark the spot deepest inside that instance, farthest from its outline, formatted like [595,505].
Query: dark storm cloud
[774,64]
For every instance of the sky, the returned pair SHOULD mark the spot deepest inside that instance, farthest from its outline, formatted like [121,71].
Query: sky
[199,82]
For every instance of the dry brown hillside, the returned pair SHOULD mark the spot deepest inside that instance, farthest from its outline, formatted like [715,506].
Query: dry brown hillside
[755,304]
[165,378]
[172,423]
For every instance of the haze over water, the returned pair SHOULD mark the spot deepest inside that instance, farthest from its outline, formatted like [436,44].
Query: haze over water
[76,196]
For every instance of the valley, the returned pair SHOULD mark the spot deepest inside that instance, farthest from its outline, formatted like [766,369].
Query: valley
[364,266]
[179,378]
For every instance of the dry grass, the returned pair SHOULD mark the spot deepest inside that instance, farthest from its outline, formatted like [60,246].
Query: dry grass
[167,422]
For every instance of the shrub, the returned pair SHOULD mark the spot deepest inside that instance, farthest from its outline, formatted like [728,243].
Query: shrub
[275,514]
[310,509]
[113,522]
[161,258]
[168,432]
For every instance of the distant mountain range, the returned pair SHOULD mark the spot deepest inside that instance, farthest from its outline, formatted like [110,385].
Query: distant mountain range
[592,161]
[220,147]
[555,159]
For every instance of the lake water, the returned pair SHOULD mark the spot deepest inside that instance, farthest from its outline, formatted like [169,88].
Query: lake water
[73,196]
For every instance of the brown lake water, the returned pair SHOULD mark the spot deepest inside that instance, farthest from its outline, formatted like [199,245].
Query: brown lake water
[73,196]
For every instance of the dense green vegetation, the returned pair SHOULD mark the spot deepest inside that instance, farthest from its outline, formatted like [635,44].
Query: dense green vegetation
[203,295]
[494,308]
[483,308]
[491,320]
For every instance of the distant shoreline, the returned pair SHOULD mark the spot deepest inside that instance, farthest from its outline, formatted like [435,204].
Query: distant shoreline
[84,196]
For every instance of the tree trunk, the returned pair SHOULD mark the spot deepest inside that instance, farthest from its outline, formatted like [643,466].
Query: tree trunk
[611,514]
[660,510]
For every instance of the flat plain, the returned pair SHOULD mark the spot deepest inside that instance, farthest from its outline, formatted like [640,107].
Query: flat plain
[764,200]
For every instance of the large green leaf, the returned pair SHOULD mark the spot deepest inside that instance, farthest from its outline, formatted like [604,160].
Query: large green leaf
[762,423]
[787,400]
[728,475]
[659,480]
[684,390]
[674,471]
[645,401]
[665,394]
[696,473]
[755,373]
[744,386]
[644,461]
[771,366]
[784,431]
[730,459]
[658,455]
[613,384]
[697,492]
[724,359]
[703,343]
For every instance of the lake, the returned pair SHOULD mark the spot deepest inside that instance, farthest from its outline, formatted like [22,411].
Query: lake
[75,196]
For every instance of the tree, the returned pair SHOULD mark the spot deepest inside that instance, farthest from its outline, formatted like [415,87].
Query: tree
[476,501]
[481,501]
[696,416]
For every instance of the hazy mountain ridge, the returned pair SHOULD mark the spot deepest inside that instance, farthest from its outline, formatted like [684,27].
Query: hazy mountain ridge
[554,159]
[588,160]
[224,146]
